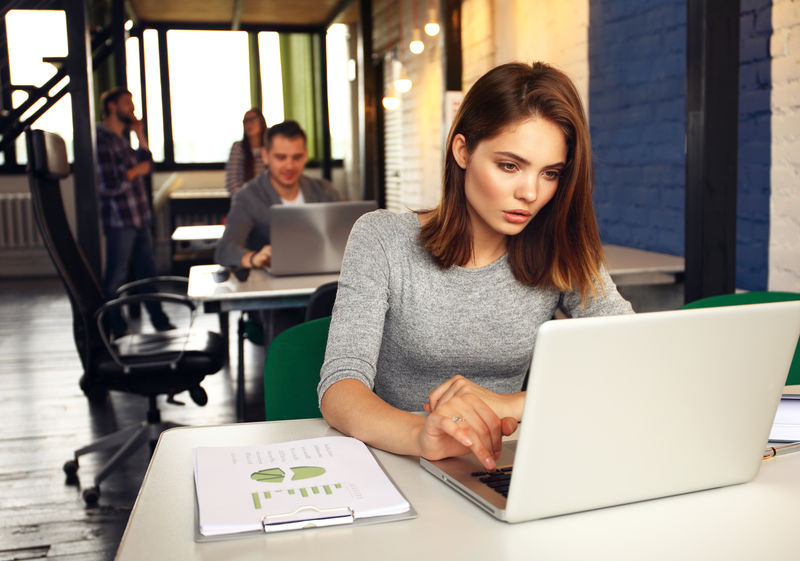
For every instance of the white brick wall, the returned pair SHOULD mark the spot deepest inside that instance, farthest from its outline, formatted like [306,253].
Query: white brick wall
[784,246]
[552,31]
[414,131]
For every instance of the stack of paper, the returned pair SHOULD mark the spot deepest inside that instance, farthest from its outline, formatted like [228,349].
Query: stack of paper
[240,487]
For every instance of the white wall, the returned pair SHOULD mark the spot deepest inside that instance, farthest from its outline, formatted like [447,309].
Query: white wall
[784,246]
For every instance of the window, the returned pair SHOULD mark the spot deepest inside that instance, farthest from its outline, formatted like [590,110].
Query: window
[33,34]
[209,80]
[338,89]
[269,55]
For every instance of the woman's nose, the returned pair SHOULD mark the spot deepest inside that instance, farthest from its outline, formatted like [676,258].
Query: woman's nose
[527,190]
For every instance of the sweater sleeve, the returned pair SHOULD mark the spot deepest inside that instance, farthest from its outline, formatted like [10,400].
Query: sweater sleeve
[234,168]
[606,302]
[232,246]
[356,331]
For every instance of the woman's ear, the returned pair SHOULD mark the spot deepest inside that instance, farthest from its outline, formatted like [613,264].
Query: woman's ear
[460,151]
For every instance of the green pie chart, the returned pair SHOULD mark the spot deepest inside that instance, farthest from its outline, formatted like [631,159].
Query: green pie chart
[271,475]
[306,472]
[277,475]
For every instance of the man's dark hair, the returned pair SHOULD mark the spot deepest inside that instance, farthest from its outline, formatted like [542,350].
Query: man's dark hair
[111,96]
[289,129]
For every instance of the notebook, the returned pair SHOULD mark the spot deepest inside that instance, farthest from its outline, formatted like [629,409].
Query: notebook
[309,239]
[629,408]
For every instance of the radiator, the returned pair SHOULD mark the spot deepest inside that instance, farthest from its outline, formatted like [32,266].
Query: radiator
[17,224]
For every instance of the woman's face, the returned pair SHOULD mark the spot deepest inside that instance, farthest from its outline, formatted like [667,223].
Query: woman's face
[252,124]
[510,177]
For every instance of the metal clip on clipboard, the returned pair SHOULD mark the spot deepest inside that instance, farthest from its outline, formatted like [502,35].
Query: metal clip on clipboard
[307,517]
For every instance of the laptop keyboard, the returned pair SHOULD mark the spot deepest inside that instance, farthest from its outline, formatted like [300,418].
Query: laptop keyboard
[499,480]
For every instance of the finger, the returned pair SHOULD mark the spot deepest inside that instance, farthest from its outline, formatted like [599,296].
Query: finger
[463,433]
[484,420]
[508,425]
[435,397]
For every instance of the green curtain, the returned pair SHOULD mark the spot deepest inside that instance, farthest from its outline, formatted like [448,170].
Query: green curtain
[255,70]
[302,83]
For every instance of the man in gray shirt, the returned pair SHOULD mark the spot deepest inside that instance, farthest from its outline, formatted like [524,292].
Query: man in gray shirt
[246,241]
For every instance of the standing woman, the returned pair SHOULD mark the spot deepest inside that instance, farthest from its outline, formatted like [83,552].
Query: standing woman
[247,158]
[438,310]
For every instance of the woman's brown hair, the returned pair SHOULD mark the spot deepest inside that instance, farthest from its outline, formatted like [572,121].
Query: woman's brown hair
[561,246]
[249,161]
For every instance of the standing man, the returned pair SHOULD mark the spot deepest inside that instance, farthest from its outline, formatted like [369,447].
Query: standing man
[245,242]
[124,208]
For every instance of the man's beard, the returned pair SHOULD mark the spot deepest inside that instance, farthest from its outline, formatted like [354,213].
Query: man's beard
[125,117]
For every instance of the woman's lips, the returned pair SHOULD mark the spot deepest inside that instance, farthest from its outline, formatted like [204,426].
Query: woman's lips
[517,216]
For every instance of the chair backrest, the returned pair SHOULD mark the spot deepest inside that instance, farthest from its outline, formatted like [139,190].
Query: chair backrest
[741,298]
[47,165]
[320,304]
[291,371]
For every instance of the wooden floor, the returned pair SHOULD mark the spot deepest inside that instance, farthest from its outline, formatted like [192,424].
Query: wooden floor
[45,416]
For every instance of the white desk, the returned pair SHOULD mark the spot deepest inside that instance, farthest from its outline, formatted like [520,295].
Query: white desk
[260,291]
[630,266]
[757,520]
[198,233]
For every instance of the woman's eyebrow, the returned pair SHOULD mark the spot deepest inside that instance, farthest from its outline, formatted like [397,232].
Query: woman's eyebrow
[520,159]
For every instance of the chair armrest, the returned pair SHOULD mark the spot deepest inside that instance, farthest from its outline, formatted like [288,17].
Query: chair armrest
[181,283]
[170,358]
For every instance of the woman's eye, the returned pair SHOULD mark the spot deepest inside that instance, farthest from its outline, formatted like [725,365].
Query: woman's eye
[552,174]
[507,166]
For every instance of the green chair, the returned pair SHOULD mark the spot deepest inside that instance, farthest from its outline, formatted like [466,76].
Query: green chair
[291,371]
[755,298]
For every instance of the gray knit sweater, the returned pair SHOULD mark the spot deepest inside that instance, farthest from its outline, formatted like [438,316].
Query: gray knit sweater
[402,325]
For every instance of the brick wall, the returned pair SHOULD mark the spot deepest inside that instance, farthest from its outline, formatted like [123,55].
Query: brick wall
[784,247]
[752,216]
[637,62]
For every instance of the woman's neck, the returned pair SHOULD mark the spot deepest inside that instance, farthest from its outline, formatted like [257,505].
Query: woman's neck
[255,141]
[488,245]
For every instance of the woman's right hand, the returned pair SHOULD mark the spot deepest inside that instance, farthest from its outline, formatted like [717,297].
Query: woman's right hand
[463,425]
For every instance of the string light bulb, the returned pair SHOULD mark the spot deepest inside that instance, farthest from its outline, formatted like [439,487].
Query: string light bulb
[402,83]
[390,102]
[416,45]
[432,27]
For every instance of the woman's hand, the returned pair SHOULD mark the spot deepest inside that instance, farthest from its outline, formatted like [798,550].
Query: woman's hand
[503,405]
[462,425]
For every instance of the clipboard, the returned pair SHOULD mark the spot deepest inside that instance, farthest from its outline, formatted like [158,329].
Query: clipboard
[307,516]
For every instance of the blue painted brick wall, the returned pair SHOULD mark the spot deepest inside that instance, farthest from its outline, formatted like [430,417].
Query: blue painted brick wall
[755,136]
[637,84]
[637,91]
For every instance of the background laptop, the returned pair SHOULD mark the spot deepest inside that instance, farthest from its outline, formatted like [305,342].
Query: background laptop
[628,408]
[310,238]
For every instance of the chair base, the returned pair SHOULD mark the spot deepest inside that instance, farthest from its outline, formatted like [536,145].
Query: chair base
[125,442]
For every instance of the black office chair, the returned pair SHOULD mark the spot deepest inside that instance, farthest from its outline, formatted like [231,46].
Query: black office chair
[146,364]
[320,304]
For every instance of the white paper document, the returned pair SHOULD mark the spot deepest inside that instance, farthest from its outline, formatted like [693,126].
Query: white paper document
[237,487]
[786,427]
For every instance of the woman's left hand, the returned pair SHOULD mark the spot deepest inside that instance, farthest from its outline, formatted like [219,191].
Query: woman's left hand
[503,405]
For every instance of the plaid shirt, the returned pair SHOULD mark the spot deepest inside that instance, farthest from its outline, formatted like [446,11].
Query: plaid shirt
[123,203]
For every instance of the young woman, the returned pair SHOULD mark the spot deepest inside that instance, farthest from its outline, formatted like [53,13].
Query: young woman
[247,158]
[439,310]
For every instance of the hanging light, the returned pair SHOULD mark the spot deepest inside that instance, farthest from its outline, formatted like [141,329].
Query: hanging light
[402,83]
[432,27]
[390,101]
[416,45]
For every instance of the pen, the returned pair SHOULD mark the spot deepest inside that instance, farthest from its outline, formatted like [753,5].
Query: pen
[773,451]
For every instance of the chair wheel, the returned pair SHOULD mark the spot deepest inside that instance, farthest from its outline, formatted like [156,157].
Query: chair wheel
[71,469]
[198,395]
[91,495]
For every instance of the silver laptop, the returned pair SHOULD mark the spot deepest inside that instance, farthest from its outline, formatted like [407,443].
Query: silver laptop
[629,408]
[309,239]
